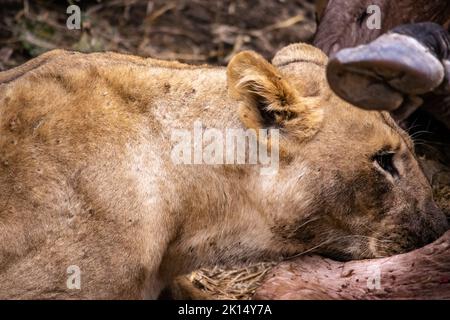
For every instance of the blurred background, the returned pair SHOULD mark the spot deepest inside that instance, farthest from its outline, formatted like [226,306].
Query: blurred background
[193,31]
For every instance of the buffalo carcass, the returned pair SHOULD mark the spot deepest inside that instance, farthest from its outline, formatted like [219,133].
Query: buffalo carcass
[345,24]
[401,70]
[420,274]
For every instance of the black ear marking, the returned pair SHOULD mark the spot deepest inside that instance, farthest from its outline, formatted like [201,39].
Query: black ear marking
[267,116]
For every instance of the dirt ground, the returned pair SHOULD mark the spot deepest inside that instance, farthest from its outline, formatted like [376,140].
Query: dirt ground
[193,31]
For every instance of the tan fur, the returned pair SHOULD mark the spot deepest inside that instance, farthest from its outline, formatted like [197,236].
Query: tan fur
[86,177]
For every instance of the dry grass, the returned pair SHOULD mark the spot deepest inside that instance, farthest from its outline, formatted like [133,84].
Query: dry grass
[234,284]
[239,283]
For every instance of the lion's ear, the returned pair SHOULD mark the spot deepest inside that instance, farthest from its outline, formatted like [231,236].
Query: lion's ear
[269,100]
[321,5]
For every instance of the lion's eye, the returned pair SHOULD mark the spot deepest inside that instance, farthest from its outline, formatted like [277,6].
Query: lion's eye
[385,160]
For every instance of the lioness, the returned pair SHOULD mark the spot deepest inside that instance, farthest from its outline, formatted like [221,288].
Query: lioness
[87,178]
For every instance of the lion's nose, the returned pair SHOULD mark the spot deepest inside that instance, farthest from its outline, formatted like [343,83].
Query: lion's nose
[434,223]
